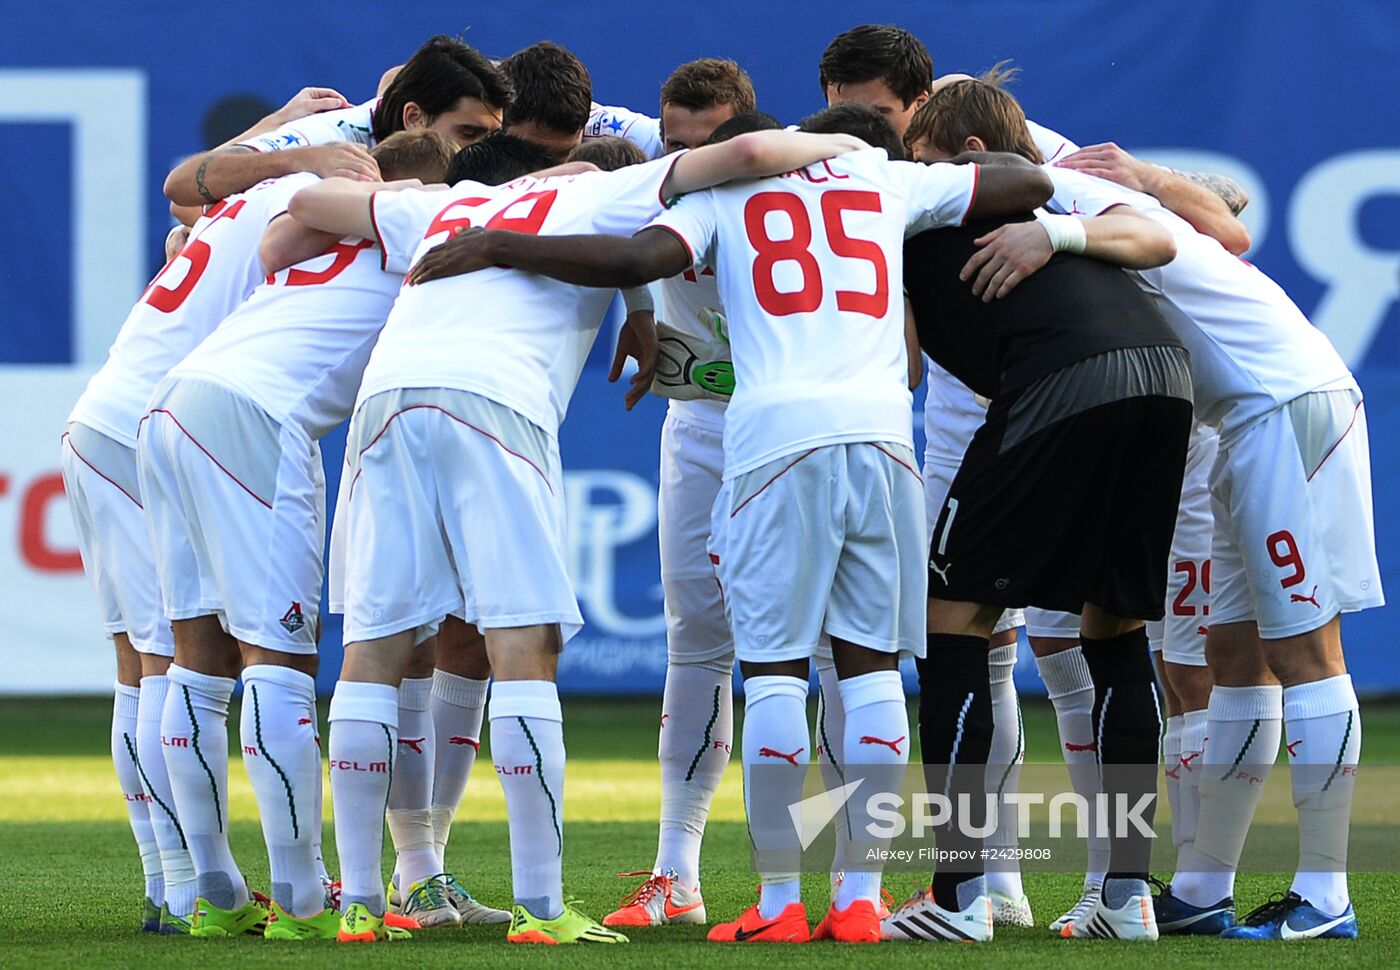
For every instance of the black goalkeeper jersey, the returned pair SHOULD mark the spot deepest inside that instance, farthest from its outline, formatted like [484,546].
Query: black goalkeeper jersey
[1071,309]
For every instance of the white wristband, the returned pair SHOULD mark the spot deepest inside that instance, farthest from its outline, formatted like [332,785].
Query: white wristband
[1067,234]
[637,298]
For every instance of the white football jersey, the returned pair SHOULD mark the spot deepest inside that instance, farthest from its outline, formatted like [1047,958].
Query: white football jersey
[516,338]
[1251,348]
[299,345]
[686,299]
[643,131]
[350,124]
[810,269]
[1053,145]
[215,271]
[952,416]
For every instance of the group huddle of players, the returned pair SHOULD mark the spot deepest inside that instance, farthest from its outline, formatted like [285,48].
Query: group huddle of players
[1136,444]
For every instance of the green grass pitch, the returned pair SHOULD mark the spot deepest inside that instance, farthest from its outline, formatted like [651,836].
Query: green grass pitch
[72,881]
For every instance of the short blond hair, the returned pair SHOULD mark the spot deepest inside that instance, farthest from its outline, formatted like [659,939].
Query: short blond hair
[420,153]
[980,107]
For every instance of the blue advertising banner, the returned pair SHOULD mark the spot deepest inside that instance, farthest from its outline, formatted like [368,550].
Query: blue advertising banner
[1289,99]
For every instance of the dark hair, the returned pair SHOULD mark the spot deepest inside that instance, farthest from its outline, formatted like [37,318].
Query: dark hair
[552,88]
[879,52]
[496,159]
[742,124]
[976,106]
[609,154]
[423,154]
[709,83]
[860,120]
[439,74]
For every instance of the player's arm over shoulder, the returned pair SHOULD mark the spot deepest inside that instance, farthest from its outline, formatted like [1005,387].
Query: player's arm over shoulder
[754,155]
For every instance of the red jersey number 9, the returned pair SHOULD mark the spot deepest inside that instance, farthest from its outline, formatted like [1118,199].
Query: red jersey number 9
[797,248]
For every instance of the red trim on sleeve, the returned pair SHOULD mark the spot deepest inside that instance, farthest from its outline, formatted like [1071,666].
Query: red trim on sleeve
[679,238]
[660,197]
[972,196]
[374,223]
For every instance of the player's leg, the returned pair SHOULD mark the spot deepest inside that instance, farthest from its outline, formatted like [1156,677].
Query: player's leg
[106,518]
[776,567]
[1010,907]
[399,583]
[697,707]
[458,706]
[1054,639]
[829,750]
[415,884]
[181,887]
[194,721]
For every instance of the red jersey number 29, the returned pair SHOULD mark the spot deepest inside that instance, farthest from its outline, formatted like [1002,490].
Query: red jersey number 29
[798,249]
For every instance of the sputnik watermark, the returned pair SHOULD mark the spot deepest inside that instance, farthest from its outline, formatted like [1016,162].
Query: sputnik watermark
[929,811]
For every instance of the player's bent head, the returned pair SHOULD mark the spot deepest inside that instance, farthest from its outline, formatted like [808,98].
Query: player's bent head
[881,65]
[553,96]
[497,159]
[861,120]
[422,154]
[609,154]
[972,114]
[700,95]
[448,86]
[742,124]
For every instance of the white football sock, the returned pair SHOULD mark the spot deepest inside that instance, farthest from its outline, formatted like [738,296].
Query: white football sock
[1004,771]
[697,732]
[125,758]
[1171,770]
[830,752]
[1242,735]
[527,745]
[1071,691]
[364,728]
[278,732]
[1324,745]
[194,731]
[877,733]
[176,864]
[458,706]
[1192,750]
[775,721]
[410,820]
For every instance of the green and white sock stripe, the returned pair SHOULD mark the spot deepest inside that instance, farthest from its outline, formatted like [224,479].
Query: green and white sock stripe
[539,773]
[1244,749]
[1341,751]
[150,790]
[194,744]
[286,784]
[705,743]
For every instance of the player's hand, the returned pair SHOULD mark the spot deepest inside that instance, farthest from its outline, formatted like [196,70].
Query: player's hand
[638,341]
[310,101]
[466,251]
[1108,161]
[175,240]
[341,159]
[1008,254]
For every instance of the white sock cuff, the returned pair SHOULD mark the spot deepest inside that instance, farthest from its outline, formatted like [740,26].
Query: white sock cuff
[1262,702]
[126,701]
[526,698]
[153,691]
[757,689]
[217,689]
[294,680]
[879,687]
[359,701]
[415,693]
[717,665]
[1065,672]
[1001,661]
[823,664]
[1193,730]
[459,691]
[1171,739]
[1321,698]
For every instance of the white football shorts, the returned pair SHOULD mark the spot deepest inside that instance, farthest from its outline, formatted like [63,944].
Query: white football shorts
[1294,541]
[104,494]
[692,469]
[938,477]
[455,505]
[828,540]
[1180,636]
[236,504]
